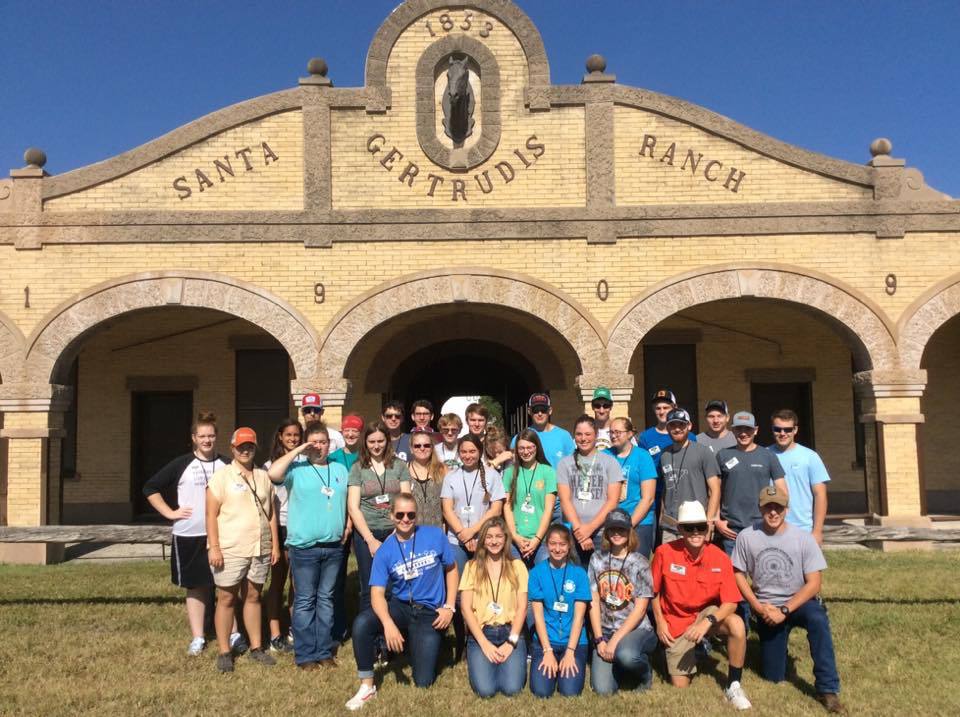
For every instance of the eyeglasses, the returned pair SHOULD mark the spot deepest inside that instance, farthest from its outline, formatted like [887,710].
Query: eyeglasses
[420,445]
[308,411]
[450,429]
[619,433]
[694,528]
[784,429]
[409,515]
[393,415]
[602,404]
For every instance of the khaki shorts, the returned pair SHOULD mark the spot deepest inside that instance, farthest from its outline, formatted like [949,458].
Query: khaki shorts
[682,656]
[234,570]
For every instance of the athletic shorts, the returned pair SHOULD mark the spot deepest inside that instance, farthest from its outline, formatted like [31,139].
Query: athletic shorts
[189,566]
[235,569]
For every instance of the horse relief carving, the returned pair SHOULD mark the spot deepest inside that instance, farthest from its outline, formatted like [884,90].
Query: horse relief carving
[458,102]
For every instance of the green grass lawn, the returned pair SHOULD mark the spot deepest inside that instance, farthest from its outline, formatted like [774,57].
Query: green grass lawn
[111,639]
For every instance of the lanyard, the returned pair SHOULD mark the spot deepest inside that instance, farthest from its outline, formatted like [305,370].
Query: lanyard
[585,477]
[463,476]
[317,471]
[422,484]
[256,498]
[378,476]
[408,569]
[610,582]
[496,592]
[563,579]
[533,475]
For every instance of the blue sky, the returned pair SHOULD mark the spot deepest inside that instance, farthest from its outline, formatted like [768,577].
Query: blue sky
[87,80]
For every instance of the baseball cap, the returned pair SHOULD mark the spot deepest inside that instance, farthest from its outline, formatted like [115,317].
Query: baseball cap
[352,421]
[678,415]
[243,435]
[539,399]
[691,511]
[602,392]
[716,405]
[664,395]
[773,494]
[312,400]
[744,418]
[617,518]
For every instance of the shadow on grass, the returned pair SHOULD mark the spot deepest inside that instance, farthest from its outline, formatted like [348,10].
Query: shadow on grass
[101,600]
[854,599]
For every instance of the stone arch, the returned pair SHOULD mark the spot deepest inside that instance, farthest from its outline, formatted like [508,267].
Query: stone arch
[923,317]
[67,324]
[868,329]
[461,285]
[538,69]
[11,350]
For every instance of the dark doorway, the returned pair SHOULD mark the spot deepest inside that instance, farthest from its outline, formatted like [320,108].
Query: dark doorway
[160,433]
[769,397]
[672,366]
[263,394]
[467,367]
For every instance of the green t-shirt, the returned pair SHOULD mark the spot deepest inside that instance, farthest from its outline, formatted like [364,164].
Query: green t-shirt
[371,485]
[529,498]
[343,458]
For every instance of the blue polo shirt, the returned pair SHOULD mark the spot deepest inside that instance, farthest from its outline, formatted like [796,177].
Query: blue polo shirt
[425,557]
[312,516]
[548,585]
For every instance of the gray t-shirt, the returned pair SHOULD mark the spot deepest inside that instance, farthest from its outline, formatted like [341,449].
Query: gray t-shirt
[777,563]
[685,471]
[588,479]
[743,475]
[466,491]
[715,444]
[618,584]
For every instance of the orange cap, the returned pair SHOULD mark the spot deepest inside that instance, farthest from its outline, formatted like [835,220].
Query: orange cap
[243,435]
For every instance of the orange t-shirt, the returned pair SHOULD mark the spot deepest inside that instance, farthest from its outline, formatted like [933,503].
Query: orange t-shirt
[686,586]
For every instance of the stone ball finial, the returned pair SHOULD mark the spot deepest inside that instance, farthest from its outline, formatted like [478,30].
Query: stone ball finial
[881,145]
[596,63]
[317,66]
[35,157]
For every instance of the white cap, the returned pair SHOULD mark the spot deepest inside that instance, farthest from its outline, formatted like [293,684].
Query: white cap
[691,512]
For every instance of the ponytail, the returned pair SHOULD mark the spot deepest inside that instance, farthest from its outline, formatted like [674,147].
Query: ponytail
[483,483]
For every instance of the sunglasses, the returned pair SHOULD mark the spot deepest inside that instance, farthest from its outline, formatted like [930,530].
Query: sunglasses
[784,429]
[246,448]
[695,528]
[393,415]
[307,411]
[421,445]
[409,515]
[539,409]
[602,404]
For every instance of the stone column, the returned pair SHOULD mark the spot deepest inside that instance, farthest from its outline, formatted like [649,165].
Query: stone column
[33,427]
[332,391]
[621,390]
[891,414]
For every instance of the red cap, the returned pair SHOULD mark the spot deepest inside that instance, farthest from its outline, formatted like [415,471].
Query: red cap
[243,435]
[312,399]
[352,421]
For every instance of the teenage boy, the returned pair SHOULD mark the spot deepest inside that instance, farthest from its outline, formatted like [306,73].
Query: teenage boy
[602,405]
[806,475]
[392,417]
[779,571]
[557,442]
[311,410]
[656,438]
[421,413]
[716,416]
[689,472]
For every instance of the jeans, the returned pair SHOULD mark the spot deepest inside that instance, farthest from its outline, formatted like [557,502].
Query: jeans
[646,534]
[543,686]
[315,576]
[743,607]
[631,659]
[812,616]
[365,563]
[584,555]
[487,678]
[339,598]
[422,639]
[538,557]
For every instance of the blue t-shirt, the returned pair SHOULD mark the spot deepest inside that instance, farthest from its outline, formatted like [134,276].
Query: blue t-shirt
[637,467]
[343,458]
[416,568]
[548,585]
[557,444]
[653,442]
[317,503]
[803,469]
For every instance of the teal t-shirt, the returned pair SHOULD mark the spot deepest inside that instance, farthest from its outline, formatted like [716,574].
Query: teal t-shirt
[566,585]
[528,497]
[343,458]
[317,503]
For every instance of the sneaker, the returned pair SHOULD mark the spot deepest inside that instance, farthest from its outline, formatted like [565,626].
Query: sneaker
[831,703]
[263,657]
[225,662]
[364,695]
[238,645]
[196,646]
[290,637]
[279,644]
[737,697]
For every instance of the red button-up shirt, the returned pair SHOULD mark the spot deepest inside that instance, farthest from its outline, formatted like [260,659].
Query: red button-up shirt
[686,586]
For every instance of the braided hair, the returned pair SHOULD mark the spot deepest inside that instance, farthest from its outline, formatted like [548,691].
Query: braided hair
[474,441]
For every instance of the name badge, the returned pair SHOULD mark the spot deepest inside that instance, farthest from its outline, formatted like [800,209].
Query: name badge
[381,499]
[528,508]
[667,468]
[613,601]
[653,450]
[327,491]
[731,463]
[678,569]
[467,510]
[584,495]
[495,608]
[239,487]
[411,574]
[560,606]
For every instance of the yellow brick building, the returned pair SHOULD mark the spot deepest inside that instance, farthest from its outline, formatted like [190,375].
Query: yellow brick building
[366,244]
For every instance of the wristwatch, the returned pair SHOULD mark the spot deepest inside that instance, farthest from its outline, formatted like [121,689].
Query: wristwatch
[598,640]
[785,610]
[711,619]
[451,608]
[513,639]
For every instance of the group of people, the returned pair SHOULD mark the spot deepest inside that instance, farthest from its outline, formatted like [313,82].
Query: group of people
[536,548]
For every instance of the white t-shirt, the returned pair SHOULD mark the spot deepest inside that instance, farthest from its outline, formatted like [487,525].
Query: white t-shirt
[192,493]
